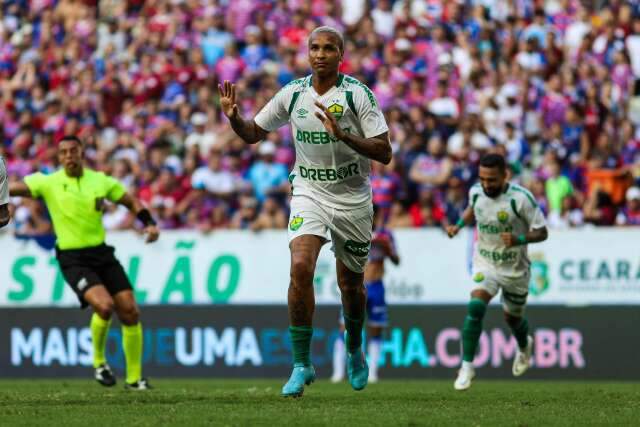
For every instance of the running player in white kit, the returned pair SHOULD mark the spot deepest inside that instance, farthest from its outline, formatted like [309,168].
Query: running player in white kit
[338,129]
[508,219]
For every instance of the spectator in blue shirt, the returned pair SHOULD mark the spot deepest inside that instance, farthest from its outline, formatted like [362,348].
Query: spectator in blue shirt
[255,52]
[215,40]
[268,178]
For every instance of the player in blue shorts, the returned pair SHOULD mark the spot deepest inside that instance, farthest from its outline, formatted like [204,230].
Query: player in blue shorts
[382,247]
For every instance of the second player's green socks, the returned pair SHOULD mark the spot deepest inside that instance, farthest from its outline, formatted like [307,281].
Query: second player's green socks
[354,333]
[472,328]
[99,333]
[521,332]
[301,344]
[132,345]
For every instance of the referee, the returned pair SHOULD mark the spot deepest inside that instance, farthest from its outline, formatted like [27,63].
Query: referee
[75,197]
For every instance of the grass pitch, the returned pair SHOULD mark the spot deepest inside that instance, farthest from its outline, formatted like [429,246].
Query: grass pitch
[257,402]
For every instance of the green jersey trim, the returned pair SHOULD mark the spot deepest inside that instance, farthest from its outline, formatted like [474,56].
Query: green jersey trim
[292,104]
[338,82]
[475,199]
[526,193]
[514,208]
[349,95]
[367,91]
[294,82]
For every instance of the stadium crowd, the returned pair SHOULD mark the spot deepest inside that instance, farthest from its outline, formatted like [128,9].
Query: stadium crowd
[553,85]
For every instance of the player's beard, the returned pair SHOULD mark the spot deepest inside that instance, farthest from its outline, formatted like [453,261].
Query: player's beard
[492,194]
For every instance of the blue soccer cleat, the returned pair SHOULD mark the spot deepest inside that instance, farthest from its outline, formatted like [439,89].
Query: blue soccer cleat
[357,370]
[302,375]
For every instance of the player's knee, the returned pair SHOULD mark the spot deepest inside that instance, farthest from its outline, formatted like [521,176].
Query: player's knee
[104,308]
[302,269]
[351,286]
[477,309]
[129,314]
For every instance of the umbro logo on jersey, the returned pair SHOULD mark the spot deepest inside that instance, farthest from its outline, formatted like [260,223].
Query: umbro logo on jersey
[302,113]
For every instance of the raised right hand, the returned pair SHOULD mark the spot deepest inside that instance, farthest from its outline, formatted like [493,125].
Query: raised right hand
[228,104]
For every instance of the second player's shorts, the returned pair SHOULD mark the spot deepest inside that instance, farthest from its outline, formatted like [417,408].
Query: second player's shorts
[88,267]
[514,291]
[348,230]
[377,314]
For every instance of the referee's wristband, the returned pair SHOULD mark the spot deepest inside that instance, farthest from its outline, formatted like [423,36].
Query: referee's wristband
[522,239]
[460,223]
[145,217]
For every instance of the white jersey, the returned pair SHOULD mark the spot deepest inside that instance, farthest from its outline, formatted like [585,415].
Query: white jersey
[514,211]
[4,183]
[327,170]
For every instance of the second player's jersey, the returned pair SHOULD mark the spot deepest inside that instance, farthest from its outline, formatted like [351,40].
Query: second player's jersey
[4,183]
[327,170]
[514,211]
[377,252]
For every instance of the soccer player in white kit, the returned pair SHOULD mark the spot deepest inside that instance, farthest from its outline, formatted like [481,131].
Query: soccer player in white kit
[338,129]
[4,194]
[508,219]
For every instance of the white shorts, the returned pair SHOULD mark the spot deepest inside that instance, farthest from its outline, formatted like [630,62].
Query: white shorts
[514,291]
[348,230]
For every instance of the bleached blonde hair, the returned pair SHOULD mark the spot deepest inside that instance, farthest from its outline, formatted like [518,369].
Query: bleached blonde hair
[330,30]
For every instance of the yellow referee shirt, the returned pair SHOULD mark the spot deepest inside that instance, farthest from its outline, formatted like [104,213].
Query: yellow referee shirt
[75,204]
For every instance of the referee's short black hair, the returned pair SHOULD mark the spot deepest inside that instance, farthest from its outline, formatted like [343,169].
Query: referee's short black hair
[71,138]
[493,160]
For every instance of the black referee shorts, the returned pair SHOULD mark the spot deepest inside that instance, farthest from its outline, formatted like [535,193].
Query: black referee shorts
[87,267]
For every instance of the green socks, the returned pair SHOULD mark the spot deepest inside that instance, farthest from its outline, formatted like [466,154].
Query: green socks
[99,332]
[301,344]
[521,332]
[354,333]
[472,328]
[132,345]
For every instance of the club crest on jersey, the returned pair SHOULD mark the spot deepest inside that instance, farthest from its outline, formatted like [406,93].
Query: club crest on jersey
[503,217]
[296,223]
[302,113]
[337,110]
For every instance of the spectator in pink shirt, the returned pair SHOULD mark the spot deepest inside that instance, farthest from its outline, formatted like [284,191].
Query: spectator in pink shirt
[231,66]
[554,103]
